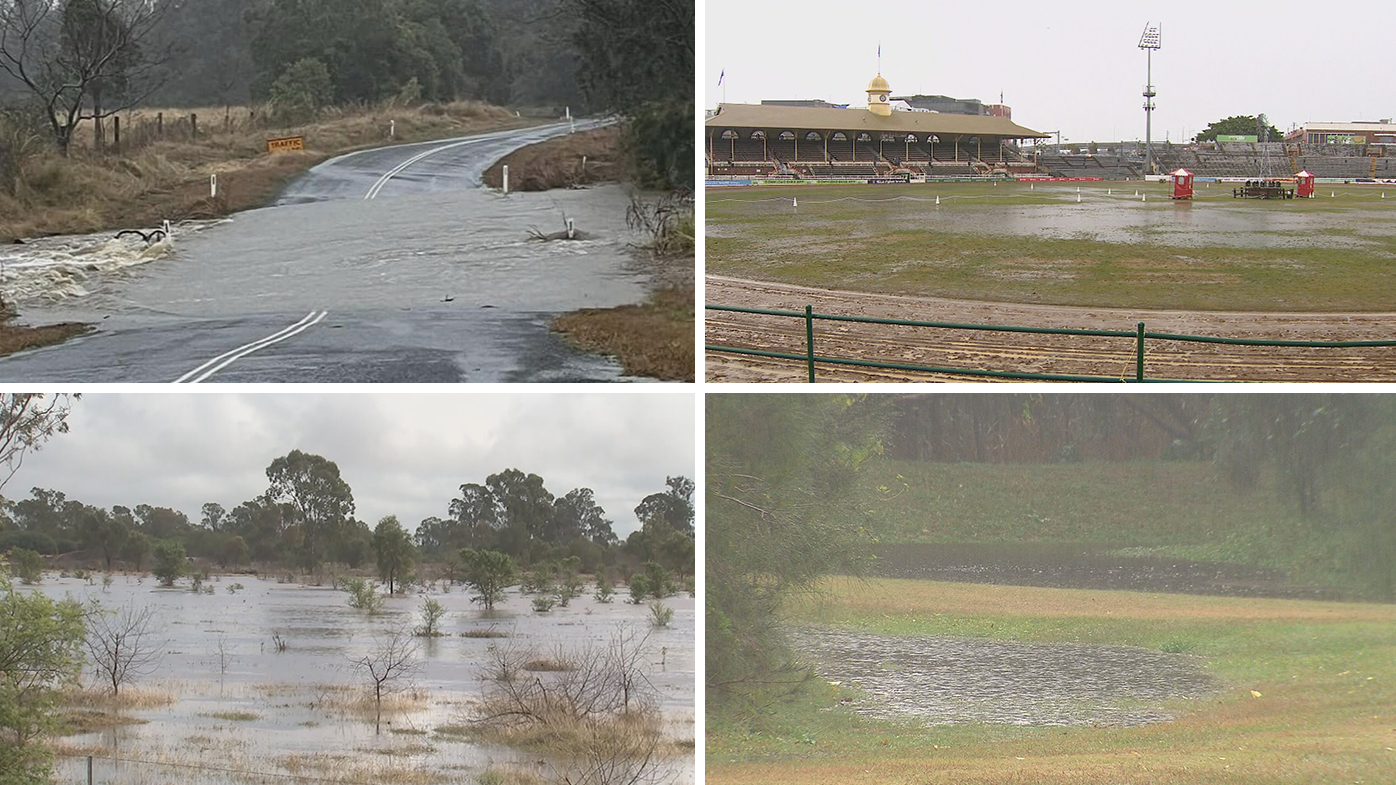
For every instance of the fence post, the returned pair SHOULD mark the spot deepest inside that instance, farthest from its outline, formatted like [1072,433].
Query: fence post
[160,126]
[809,340]
[89,770]
[1139,355]
[116,133]
[193,126]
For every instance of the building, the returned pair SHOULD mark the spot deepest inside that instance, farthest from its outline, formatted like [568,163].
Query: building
[746,139]
[1354,133]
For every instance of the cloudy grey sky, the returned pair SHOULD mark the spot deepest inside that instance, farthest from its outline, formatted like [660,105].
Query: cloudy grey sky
[403,455]
[1073,67]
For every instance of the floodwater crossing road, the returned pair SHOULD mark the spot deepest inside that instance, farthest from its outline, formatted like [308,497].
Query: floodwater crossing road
[383,265]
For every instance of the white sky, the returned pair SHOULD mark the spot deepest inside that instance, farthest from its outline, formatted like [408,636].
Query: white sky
[1073,67]
[403,455]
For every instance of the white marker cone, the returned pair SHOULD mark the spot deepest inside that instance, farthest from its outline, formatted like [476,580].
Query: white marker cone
[1078,197]
[795,203]
[937,201]
[1109,191]
[1145,199]
[1332,194]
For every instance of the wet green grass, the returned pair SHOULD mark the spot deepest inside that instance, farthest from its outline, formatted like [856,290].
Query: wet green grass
[881,239]
[1309,696]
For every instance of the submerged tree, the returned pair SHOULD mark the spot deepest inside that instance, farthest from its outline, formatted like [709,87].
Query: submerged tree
[489,573]
[396,554]
[782,511]
[122,643]
[388,668]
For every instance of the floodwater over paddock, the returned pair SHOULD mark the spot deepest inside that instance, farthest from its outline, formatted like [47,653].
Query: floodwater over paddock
[224,701]
[954,680]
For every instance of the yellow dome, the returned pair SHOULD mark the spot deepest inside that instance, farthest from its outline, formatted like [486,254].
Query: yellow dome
[879,85]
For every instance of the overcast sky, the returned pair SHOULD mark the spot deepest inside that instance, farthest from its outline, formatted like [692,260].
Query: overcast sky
[1073,67]
[403,455]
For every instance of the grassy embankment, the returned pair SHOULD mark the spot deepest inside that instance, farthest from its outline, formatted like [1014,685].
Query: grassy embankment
[1325,674]
[1182,509]
[654,338]
[169,179]
[990,243]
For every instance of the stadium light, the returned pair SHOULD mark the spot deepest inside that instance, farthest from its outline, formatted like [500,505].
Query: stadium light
[1150,41]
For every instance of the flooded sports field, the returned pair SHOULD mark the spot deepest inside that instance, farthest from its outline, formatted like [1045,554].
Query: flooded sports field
[1101,244]
[225,703]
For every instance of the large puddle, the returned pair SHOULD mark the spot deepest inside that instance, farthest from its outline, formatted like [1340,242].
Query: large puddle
[953,680]
[301,711]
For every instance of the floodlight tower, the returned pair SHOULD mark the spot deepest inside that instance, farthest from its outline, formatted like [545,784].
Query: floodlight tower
[1149,42]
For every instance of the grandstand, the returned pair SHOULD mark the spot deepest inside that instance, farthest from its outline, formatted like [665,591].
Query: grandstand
[1125,160]
[782,141]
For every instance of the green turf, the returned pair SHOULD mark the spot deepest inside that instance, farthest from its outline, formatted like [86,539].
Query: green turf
[1323,713]
[1010,243]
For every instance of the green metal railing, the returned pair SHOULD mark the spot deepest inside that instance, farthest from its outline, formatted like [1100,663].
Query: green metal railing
[1139,334]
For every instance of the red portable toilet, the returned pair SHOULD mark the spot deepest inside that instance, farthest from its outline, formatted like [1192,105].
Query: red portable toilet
[1306,182]
[1182,184]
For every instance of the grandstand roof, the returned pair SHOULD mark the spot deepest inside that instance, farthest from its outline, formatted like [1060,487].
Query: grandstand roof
[811,119]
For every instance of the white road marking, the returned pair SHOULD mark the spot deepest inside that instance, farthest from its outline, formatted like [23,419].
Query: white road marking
[400,168]
[530,134]
[222,361]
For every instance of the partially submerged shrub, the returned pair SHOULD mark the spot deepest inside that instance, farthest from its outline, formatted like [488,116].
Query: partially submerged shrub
[432,613]
[600,715]
[362,594]
[660,614]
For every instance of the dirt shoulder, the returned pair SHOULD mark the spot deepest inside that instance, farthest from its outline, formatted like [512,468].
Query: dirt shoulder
[1029,353]
[571,161]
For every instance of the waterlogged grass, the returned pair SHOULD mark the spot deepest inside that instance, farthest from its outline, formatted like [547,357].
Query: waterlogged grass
[1309,694]
[1155,254]
[1130,503]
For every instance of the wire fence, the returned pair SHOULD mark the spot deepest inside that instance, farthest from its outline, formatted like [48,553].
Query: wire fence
[120,770]
[1139,336]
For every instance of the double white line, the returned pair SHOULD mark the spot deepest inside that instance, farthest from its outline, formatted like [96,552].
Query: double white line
[222,361]
[402,167]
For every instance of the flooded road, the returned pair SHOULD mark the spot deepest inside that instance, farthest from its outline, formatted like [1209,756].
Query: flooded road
[953,680]
[302,711]
[434,279]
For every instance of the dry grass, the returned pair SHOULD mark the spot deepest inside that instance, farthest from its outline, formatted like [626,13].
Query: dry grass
[895,597]
[75,722]
[234,716]
[557,163]
[490,633]
[131,697]
[654,339]
[344,768]
[19,338]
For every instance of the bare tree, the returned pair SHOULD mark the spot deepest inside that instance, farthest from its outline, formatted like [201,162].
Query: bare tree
[27,420]
[389,668]
[596,705]
[81,59]
[122,643]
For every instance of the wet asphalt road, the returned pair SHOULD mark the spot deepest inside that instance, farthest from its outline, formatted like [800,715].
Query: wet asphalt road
[254,326]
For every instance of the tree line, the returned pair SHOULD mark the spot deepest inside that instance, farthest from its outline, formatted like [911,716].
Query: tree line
[305,519]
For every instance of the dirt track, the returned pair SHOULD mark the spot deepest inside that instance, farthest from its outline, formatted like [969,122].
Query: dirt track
[1077,355]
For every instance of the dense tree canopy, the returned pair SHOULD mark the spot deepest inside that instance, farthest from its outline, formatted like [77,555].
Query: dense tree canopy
[1240,125]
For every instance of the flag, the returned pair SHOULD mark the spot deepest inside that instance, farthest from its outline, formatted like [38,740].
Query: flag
[721,76]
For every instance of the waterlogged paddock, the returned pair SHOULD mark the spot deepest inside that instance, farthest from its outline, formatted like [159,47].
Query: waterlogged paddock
[956,680]
[209,716]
